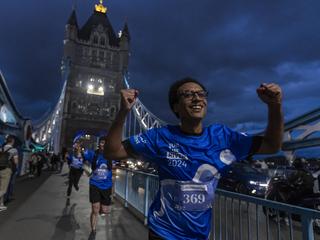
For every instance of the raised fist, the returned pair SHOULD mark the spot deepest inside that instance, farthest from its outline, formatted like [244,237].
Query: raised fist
[270,93]
[128,98]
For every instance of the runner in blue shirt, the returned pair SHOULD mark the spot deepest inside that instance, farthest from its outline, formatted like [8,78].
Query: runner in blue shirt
[75,162]
[190,157]
[100,184]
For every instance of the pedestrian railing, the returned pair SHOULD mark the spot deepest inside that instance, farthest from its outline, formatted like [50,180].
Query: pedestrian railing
[136,188]
[236,216]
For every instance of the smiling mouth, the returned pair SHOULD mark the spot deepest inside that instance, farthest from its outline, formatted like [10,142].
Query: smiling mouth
[196,107]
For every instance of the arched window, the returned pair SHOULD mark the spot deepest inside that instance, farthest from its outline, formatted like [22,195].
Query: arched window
[101,55]
[74,106]
[113,110]
[102,41]
[95,39]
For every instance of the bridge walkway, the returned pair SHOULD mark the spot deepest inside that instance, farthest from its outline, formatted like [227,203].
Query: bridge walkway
[47,215]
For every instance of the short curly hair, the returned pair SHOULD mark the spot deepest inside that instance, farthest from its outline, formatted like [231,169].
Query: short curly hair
[103,138]
[173,91]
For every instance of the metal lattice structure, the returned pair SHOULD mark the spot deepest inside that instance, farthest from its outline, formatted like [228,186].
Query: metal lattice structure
[48,130]
[140,118]
[303,131]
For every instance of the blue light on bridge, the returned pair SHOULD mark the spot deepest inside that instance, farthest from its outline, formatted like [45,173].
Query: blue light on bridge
[6,115]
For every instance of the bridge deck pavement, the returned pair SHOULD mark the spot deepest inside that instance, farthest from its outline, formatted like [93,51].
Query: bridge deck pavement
[46,215]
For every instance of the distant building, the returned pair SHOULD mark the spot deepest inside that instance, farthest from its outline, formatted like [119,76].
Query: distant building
[98,59]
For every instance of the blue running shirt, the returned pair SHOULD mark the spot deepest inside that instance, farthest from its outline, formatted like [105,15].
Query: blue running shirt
[189,169]
[75,161]
[102,175]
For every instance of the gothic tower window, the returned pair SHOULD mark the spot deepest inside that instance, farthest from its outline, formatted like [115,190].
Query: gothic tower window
[101,55]
[111,58]
[74,106]
[93,109]
[102,41]
[94,55]
[95,39]
[95,87]
[85,51]
[107,56]
[111,88]
[79,83]
[112,110]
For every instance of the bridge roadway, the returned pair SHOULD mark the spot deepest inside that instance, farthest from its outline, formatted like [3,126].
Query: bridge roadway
[41,212]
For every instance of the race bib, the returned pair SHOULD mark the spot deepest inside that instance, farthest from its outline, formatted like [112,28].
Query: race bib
[100,174]
[188,195]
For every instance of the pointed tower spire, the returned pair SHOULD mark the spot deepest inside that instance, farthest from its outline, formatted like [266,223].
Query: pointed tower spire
[73,19]
[74,4]
[125,31]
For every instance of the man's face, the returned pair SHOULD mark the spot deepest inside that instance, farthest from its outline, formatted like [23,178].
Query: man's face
[101,144]
[192,103]
[76,145]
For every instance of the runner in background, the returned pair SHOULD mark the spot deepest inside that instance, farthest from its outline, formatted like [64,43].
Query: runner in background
[100,184]
[75,162]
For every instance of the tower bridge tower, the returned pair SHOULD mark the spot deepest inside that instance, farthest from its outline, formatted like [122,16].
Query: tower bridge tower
[97,60]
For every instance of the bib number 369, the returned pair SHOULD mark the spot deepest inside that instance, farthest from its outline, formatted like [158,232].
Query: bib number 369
[194,198]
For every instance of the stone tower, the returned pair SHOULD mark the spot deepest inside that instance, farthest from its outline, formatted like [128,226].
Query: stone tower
[98,60]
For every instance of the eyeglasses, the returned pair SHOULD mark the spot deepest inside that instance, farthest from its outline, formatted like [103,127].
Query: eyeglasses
[192,94]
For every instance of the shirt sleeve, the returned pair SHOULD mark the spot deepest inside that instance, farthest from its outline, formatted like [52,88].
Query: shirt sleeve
[13,152]
[143,145]
[240,144]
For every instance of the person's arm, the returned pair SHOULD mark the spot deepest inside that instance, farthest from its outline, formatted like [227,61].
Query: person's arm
[15,157]
[114,149]
[16,160]
[272,140]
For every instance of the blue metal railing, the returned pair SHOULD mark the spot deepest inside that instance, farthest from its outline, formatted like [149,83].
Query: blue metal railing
[236,216]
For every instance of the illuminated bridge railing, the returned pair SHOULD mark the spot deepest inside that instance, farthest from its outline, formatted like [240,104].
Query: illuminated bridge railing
[236,216]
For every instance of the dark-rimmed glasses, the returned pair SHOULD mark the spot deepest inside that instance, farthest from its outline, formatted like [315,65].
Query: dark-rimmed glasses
[192,94]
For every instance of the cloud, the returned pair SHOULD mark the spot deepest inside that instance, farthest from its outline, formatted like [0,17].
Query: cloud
[231,46]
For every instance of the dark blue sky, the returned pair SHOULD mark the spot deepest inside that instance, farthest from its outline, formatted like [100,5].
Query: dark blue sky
[230,46]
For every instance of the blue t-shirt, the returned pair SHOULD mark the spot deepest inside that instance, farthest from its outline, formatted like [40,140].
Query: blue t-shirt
[189,169]
[102,175]
[75,161]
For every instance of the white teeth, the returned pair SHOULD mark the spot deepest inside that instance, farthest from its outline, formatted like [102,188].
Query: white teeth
[196,107]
